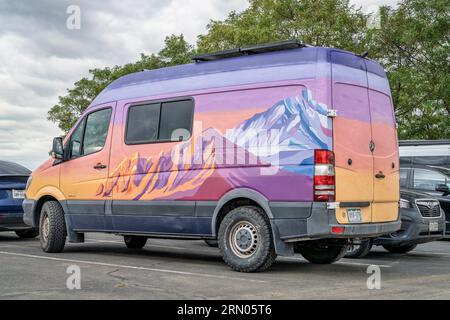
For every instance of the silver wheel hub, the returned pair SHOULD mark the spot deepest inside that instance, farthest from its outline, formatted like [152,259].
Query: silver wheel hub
[244,239]
[45,228]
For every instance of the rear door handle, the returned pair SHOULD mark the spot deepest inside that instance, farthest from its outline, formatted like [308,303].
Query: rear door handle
[380,175]
[100,166]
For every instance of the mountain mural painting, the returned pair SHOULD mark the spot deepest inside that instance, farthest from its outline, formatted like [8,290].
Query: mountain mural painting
[282,137]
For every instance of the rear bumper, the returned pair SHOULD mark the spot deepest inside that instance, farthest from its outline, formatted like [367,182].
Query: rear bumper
[319,223]
[12,221]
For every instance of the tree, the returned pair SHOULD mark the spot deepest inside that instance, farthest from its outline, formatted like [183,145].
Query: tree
[413,44]
[72,105]
[331,23]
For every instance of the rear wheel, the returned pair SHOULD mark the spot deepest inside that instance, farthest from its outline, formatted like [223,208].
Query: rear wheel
[322,252]
[52,227]
[400,249]
[359,250]
[27,234]
[135,242]
[245,240]
[212,243]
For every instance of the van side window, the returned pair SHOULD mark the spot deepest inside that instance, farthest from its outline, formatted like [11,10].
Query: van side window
[159,122]
[96,131]
[143,122]
[176,120]
[76,140]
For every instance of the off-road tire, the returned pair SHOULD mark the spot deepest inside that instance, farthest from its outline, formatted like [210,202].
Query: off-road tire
[263,254]
[53,238]
[135,242]
[359,251]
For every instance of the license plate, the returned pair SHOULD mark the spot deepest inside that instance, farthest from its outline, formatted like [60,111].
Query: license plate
[18,194]
[434,226]
[354,215]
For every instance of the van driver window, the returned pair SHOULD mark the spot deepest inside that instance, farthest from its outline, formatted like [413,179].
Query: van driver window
[76,139]
[427,179]
[97,126]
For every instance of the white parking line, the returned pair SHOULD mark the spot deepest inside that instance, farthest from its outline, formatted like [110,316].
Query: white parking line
[432,253]
[289,258]
[345,263]
[203,275]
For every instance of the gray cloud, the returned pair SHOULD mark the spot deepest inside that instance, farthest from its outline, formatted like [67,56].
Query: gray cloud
[41,58]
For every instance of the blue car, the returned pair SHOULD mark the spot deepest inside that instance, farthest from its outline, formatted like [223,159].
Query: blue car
[13,181]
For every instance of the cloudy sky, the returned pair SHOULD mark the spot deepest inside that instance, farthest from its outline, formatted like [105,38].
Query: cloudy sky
[40,57]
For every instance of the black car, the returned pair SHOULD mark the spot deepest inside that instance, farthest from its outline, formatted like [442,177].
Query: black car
[422,219]
[425,167]
[434,181]
[13,181]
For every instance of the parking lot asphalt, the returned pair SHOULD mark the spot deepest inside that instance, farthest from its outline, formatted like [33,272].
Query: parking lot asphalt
[175,269]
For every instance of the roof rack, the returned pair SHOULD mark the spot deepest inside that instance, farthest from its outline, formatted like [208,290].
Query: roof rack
[405,143]
[262,48]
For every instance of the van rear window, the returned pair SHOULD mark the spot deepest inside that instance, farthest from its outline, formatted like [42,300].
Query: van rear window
[160,122]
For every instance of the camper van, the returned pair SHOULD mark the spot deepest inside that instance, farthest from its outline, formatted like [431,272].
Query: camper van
[270,150]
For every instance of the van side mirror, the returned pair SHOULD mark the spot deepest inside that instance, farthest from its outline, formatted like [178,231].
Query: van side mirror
[443,188]
[58,149]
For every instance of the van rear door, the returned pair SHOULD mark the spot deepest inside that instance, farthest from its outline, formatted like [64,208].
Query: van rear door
[365,141]
[352,138]
[385,154]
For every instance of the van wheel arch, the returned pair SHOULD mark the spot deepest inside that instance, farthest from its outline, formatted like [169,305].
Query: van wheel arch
[236,198]
[249,197]
[38,208]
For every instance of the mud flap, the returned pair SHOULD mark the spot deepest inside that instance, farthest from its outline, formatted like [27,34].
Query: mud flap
[281,248]
[74,237]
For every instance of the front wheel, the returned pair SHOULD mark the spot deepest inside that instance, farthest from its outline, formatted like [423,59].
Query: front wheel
[27,234]
[135,242]
[52,227]
[322,252]
[398,249]
[245,240]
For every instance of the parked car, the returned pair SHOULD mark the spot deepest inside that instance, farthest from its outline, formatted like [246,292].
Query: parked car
[425,167]
[423,221]
[13,180]
[270,150]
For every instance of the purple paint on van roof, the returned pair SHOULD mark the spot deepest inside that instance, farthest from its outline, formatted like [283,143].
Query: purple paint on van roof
[266,67]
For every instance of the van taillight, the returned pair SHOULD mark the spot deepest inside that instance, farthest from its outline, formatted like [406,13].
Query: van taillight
[324,182]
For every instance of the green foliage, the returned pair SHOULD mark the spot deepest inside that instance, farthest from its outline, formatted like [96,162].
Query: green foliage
[330,23]
[412,44]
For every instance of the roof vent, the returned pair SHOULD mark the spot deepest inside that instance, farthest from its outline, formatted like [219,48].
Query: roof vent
[257,49]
